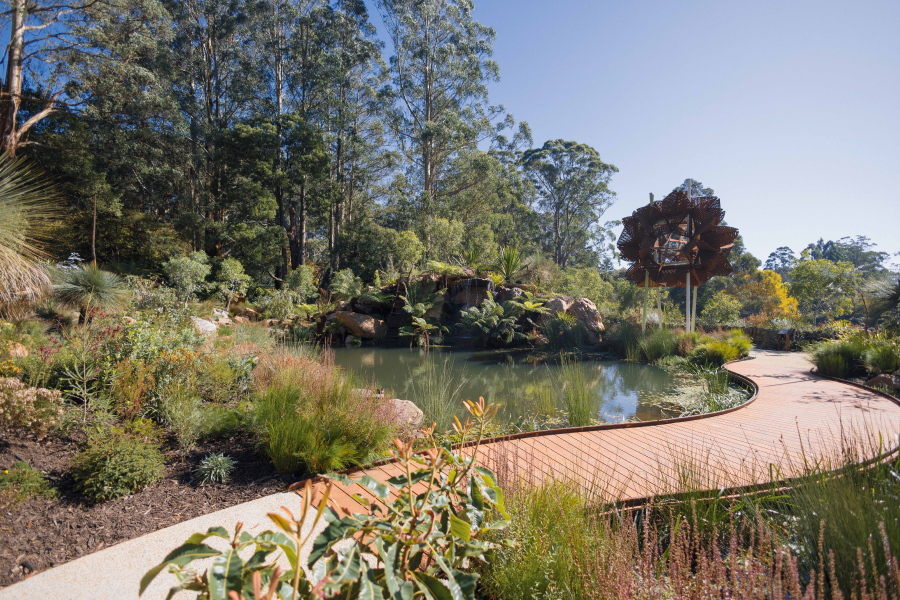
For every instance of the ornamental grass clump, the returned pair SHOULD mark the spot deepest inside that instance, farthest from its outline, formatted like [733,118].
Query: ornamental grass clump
[883,356]
[314,418]
[28,410]
[832,532]
[713,353]
[658,343]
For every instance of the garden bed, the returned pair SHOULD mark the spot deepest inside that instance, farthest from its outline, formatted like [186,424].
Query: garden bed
[39,533]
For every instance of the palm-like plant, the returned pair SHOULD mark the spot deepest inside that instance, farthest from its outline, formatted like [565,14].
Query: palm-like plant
[89,287]
[509,263]
[496,322]
[26,209]
[420,331]
[887,299]
[346,285]
[470,257]
[534,307]
[419,298]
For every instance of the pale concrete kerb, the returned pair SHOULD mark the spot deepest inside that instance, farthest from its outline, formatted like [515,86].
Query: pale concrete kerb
[115,572]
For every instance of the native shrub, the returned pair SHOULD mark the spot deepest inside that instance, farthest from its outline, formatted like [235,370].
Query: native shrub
[21,481]
[27,409]
[116,464]
[883,356]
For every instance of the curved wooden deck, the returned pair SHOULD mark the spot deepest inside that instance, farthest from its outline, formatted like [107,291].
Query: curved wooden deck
[796,420]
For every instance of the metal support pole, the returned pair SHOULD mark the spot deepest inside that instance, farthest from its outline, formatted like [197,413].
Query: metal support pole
[646,292]
[687,297]
[659,305]
[646,289]
[694,310]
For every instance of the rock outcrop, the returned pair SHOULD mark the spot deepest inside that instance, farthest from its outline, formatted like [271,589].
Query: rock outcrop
[558,304]
[362,326]
[407,412]
[505,294]
[884,380]
[203,327]
[472,296]
[587,314]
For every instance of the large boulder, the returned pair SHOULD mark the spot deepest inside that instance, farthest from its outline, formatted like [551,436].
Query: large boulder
[505,294]
[362,326]
[558,304]
[407,412]
[587,314]
[885,380]
[203,327]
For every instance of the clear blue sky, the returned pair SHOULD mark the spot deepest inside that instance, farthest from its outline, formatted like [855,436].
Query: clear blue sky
[789,110]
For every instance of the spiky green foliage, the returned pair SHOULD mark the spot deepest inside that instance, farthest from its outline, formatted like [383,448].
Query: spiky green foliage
[89,287]
[883,356]
[497,323]
[215,468]
[26,208]
[509,262]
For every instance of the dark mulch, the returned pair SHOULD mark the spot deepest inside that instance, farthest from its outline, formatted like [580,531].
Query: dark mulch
[40,533]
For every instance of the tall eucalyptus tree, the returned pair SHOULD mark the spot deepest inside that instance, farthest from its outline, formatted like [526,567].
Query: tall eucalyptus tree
[440,74]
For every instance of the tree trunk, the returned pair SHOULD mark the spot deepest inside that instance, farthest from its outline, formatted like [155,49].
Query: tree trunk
[12,89]
[94,234]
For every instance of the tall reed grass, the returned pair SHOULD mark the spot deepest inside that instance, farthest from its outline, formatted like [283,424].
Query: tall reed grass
[577,392]
[313,418]
[437,391]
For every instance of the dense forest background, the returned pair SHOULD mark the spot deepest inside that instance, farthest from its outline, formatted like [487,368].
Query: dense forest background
[282,133]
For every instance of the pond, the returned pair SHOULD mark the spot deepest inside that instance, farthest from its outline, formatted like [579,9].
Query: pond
[621,391]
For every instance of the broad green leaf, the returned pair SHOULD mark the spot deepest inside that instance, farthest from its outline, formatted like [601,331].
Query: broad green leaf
[490,478]
[181,556]
[460,528]
[282,541]
[211,532]
[368,590]
[282,522]
[192,586]
[475,510]
[225,575]
[432,587]
[348,568]
[456,591]
[335,531]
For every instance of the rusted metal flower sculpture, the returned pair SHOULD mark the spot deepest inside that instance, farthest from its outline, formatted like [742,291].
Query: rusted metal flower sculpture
[677,236]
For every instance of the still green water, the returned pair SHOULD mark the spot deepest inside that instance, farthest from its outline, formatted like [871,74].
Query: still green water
[622,390]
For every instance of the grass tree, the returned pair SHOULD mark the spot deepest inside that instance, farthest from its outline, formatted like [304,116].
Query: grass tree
[89,287]
[25,210]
